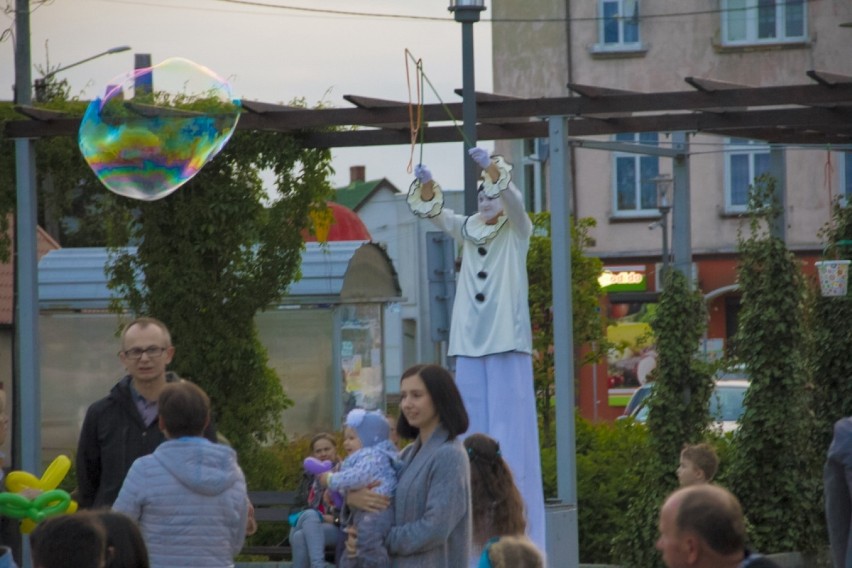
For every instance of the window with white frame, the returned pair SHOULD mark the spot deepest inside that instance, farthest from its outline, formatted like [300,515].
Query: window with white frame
[747,22]
[744,161]
[531,154]
[634,188]
[618,25]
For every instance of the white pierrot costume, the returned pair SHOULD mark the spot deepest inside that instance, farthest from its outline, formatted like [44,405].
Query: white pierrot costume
[490,331]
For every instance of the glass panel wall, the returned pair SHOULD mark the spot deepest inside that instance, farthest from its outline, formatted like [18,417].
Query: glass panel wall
[299,342]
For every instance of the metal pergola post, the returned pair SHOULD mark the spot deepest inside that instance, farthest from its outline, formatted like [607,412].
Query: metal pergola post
[562,535]
[681,225]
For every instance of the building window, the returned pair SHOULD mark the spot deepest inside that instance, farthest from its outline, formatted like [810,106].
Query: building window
[618,25]
[635,191]
[746,22]
[846,178]
[530,178]
[744,161]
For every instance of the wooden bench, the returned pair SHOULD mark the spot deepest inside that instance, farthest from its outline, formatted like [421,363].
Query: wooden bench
[274,507]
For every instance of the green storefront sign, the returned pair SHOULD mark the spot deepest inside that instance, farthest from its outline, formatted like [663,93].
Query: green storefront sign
[623,279]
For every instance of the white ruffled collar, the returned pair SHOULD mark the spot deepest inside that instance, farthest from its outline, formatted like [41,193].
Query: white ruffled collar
[478,231]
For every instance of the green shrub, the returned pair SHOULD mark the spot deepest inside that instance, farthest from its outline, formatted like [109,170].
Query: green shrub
[606,482]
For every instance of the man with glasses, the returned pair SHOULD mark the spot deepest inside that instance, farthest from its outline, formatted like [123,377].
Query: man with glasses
[123,425]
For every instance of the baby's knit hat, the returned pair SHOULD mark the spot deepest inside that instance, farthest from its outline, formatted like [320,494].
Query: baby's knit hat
[371,426]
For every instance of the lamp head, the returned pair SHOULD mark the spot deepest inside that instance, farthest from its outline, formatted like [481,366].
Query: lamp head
[467,5]
[664,184]
[466,10]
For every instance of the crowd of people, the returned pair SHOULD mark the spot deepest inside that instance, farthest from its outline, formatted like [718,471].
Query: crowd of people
[448,498]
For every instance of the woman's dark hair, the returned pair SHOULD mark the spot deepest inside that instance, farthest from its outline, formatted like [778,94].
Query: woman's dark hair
[124,539]
[77,540]
[446,399]
[498,508]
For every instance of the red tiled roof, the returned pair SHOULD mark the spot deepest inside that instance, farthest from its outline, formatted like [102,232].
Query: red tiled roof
[44,243]
[347,225]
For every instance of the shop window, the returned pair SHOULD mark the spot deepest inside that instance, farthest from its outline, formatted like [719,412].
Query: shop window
[361,356]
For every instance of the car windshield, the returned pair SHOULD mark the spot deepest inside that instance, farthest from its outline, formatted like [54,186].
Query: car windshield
[736,373]
[637,398]
[726,404]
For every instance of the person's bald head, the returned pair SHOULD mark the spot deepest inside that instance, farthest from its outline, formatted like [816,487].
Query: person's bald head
[700,524]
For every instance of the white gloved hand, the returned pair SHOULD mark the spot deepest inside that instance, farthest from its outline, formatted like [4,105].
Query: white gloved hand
[480,156]
[422,174]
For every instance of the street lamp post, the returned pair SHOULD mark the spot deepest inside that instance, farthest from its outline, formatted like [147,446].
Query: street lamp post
[664,185]
[41,82]
[26,379]
[466,12]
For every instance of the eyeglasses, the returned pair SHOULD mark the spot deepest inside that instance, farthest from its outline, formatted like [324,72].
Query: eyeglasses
[137,352]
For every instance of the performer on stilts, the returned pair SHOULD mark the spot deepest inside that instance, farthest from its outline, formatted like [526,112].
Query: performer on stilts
[490,332]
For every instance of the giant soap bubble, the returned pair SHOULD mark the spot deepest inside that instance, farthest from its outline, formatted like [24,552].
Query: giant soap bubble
[155,128]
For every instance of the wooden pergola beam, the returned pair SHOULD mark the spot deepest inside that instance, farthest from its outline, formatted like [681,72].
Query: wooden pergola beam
[263,108]
[828,79]
[41,114]
[592,92]
[802,107]
[713,85]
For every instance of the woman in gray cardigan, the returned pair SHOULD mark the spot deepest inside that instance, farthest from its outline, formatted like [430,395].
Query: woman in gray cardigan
[432,519]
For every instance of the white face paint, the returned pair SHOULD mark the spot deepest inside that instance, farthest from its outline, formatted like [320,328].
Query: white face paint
[490,208]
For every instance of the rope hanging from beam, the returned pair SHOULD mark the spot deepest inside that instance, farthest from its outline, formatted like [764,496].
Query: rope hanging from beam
[416,124]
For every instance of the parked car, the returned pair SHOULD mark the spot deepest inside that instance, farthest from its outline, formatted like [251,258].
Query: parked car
[639,395]
[736,372]
[726,403]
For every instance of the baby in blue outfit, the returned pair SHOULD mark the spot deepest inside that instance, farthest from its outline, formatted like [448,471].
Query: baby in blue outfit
[372,458]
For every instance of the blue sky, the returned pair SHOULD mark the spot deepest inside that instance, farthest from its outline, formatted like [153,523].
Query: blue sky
[273,54]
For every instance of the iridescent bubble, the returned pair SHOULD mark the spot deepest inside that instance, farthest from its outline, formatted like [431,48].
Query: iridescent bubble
[155,128]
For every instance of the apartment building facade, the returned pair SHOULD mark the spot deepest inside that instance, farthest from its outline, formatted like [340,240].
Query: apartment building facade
[540,47]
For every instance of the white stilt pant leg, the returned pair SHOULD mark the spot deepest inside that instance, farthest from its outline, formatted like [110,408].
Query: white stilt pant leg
[499,395]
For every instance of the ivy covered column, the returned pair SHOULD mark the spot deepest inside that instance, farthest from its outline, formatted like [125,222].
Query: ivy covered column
[775,430]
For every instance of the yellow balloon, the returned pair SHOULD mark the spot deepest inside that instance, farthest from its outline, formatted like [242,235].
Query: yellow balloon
[17,481]
[55,473]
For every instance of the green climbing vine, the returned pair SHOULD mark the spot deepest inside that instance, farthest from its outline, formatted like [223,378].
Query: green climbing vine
[773,469]
[678,413]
